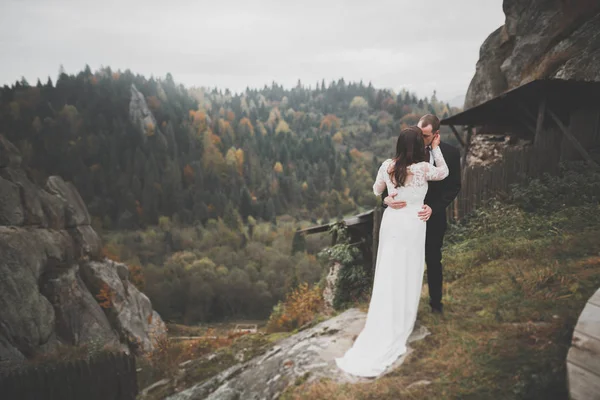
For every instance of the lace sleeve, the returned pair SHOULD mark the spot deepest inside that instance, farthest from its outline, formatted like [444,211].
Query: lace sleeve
[380,181]
[435,173]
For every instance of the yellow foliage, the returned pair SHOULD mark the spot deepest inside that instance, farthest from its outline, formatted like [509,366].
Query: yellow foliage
[282,127]
[246,127]
[278,167]
[338,138]
[239,156]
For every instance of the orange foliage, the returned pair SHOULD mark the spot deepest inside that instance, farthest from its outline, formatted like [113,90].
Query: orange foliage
[188,174]
[116,76]
[299,307]
[330,123]
[105,296]
[136,276]
[153,103]
[150,129]
[215,139]
[199,120]
[230,116]
[246,127]
[388,104]
[138,209]
[95,168]
[108,253]
[354,153]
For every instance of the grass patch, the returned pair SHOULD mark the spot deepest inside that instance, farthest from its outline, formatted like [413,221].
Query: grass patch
[515,284]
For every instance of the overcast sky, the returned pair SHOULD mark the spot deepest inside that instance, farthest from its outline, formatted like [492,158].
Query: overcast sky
[420,45]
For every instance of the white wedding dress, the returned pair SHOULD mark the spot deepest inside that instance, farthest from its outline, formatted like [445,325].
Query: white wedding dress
[398,273]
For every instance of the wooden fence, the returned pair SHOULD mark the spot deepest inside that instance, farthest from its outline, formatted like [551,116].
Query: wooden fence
[102,377]
[481,183]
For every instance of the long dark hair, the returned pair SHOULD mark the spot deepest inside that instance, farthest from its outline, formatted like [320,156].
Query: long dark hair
[410,149]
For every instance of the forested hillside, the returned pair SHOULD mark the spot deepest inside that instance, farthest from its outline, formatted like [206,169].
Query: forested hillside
[139,148]
[200,191]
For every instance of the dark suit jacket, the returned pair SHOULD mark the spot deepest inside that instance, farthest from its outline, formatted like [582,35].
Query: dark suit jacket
[441,193]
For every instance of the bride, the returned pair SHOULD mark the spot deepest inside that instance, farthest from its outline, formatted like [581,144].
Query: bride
[400,257]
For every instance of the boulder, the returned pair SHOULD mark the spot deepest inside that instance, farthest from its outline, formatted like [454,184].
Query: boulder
[27,316]
[45,241]
[76,212]
[129,310]
[79,319]
[540,39]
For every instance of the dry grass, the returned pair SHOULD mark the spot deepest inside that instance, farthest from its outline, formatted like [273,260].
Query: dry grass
[510,311]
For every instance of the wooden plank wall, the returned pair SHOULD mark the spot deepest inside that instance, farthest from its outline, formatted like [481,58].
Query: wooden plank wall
[481,183]
[583,359]
[101,377]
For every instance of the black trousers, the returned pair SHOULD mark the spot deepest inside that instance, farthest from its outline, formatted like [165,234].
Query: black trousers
[436,229]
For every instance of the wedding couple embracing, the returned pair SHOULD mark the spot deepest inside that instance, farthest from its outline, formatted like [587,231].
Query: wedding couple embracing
[421,181]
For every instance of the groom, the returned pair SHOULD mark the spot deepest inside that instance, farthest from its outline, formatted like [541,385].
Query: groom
[439,196]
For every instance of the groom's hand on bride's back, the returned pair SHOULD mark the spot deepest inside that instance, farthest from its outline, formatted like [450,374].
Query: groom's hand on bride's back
[395,204]
[425,213]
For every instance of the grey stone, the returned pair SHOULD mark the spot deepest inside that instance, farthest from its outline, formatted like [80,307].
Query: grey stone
[87,242]
[419,383]
[76,212]
[9,154]
[27,316]
[11,211]
[540,39]
[79,318]
[45,237]
[130,312]
[141,116]
[30,196]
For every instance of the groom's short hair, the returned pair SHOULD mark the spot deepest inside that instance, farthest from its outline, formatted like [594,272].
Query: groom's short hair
[430,119]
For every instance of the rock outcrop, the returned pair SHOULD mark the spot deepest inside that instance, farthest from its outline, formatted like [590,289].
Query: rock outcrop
[51,267]
[304,357]
[540,39]
[141,116]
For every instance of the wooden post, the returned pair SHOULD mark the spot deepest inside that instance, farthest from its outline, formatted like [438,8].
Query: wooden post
[460,140]
[466,149]
[573,140]
[539,125]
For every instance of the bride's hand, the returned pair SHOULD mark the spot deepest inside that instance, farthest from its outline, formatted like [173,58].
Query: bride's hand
[436,141]
[395,204]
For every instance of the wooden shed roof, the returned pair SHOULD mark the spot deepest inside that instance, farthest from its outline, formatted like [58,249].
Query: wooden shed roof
[518,107]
